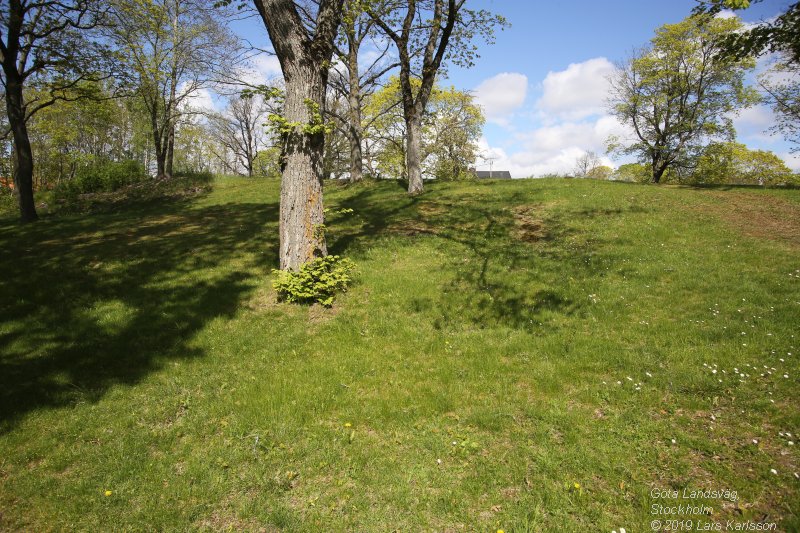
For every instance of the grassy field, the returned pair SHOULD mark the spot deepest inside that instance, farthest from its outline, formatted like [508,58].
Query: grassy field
[534,355]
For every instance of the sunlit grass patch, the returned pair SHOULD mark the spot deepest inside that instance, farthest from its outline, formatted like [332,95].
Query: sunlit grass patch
[525,356]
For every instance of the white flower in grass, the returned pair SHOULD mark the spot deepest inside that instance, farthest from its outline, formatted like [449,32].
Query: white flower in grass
[755,441]
[674,441]
[773,471]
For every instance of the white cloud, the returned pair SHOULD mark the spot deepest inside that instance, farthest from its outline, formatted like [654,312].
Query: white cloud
[268,65]
[726,14]
[553,148]
[264,69]
[197,100]
[501,95]
[572,121]
[756,117]
[792,160]
[577,92]
[752,124]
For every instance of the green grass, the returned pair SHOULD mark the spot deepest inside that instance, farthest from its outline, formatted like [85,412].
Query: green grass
[476,371]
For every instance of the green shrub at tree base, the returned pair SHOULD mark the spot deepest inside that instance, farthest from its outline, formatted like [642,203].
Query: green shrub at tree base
[317,281]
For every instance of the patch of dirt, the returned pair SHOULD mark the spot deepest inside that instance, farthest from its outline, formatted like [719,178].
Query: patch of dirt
[225,520]
[263,298]
[320,314]
[411,228]
[757,215]
[432,209]
[528,226]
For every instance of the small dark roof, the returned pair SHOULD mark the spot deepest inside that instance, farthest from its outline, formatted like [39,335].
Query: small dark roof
[494,174]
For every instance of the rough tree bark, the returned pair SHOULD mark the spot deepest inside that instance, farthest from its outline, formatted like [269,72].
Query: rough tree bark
[305,58]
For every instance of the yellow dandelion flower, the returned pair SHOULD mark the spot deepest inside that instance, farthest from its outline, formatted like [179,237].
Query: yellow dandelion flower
[348,424]
[108,493]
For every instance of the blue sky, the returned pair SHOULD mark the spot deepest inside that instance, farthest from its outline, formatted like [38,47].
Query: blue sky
[542,84]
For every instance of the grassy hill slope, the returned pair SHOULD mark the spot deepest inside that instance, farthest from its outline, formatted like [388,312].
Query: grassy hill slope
[525,355]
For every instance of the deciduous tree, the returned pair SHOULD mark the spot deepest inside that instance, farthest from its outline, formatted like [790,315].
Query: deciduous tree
[170,49]
[677,93]
[781,88]
[734,163]
[450,129]
[585,164]
[46,51]
[354,82]
[240,129]
[425,33]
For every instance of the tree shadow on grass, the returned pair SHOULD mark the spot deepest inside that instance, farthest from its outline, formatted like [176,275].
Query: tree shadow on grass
[92,302]
[500,281]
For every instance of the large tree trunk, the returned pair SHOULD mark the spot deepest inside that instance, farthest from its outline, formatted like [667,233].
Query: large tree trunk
[413,153]
[305,60]
[658,168]
[23,155]
[302,236]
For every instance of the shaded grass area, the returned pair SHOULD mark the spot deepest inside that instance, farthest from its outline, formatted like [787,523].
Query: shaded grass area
[504,342]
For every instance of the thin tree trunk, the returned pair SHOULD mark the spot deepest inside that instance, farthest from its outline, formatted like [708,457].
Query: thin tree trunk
[413,153]
[158,143]
[170,157]
[23,155]
[658,171]
[171,107]
[355,130]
